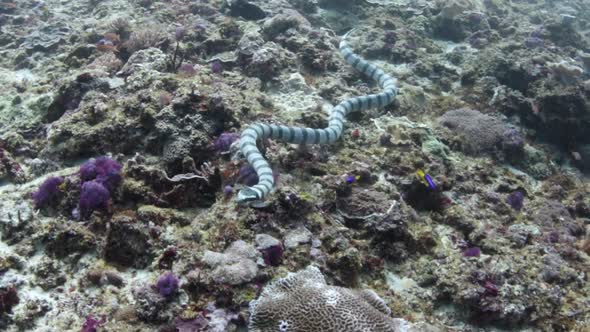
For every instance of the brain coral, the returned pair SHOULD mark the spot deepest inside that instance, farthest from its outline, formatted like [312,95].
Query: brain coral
[303,302]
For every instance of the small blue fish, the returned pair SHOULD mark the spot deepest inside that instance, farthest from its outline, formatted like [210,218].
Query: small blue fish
[426,179]
[352,178]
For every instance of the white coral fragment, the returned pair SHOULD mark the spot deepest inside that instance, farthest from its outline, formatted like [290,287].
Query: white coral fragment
[236,265]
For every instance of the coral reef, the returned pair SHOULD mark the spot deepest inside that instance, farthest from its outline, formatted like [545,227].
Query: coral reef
[464,203]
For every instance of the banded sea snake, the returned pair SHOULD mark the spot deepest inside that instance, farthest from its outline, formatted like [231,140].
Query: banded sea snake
[299,135]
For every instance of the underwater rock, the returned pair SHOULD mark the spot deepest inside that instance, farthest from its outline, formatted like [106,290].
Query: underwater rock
[554,215]
[457,19]
[151,185]
[522,234]
[346,266]
[236,265]
[223,37]
[362,205]
[179,148]
[10,169]
[264,241]
[303,301]
[161,216]
[246,10]
[100,277]
[508,69]
[70,94]
[48,274]
[65,239]
[93,129]
[128,243]
[150,306]
[46,38]
[562,114]
[453,8]
[336,4]
[248,44]
[305,6]
[180,132]
[289,19]
[565,35]
[513,144]
[268,61]
[296,237]
[566,73]
[143,62]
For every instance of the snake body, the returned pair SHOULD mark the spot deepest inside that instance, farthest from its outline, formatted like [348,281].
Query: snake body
[299,135]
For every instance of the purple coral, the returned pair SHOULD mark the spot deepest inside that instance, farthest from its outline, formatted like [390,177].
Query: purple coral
[104,170]
[8,299]
[534,42]
[91,324]
[516,200]
[472,252]
[88,170]
[187,70]
[552,237]
[194,325]
[216,67]
[273,255]
[490,288]
[48,191]
[179,33]
[247,175]
[93,196]
[224,141]
[167,284]
[228,191]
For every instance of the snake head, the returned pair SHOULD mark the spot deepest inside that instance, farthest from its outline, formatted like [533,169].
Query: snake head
[246,196]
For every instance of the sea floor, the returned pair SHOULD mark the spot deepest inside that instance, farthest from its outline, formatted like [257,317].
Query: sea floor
[462,206]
